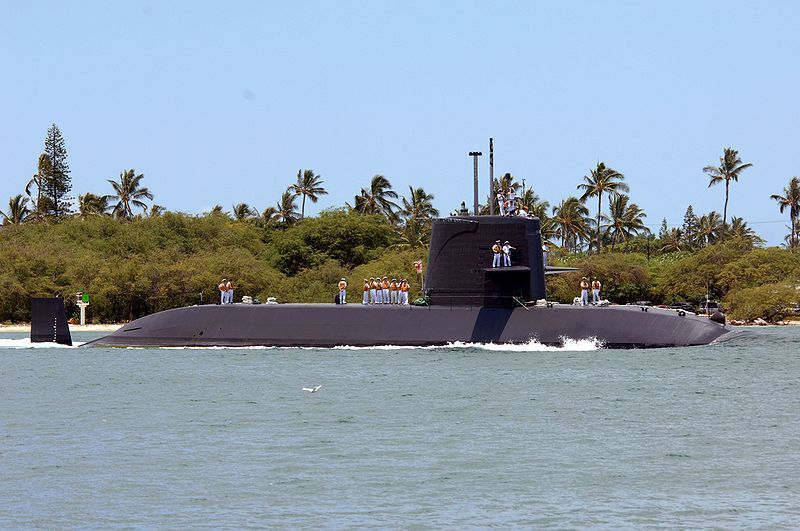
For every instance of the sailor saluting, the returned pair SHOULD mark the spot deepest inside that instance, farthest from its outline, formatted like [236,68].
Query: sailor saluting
[507,253]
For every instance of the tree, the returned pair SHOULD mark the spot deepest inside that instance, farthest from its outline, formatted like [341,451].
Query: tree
[791,200]
[601,180]
[739,229]
[128,194]
[243,211]
[90,204]
[709,229]
[689,227]
[270,216]
[534,204]
[625,220]
[571,223]
[663,230]
[57,182]
[307,185]
[287,209]
[418,213]
[43,169]
[377,199]
[673,241]
[18,211]
[729,169]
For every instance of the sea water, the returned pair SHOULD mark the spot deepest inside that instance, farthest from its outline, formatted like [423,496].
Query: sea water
[462,436]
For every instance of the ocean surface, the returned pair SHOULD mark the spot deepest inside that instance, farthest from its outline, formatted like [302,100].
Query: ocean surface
[468,436]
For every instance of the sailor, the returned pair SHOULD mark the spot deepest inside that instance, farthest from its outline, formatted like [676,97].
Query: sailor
[584,291]
[501,202]
[365,300]
[223,292]
[523,212]
[393,290]
[497,251]
[595,290]
[545,253]
[229,288]
[343,291]
[378,290]
[507,253]
[404,287]
[371,290]
[512,200]
[385,287]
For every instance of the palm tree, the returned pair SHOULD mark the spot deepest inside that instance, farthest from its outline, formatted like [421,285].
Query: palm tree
[287,209]
[570,222]
[39,180]
[625,220]
[128,194]
[709,228]
[243,211]
[534,204]
[156,211]
[601,180]
[674,240]
[418,213]
[791,200]
[307,185]
[270,216]
[18,211]
[418,206]
[377,199]
[90,204]
[730,166]
[739,229]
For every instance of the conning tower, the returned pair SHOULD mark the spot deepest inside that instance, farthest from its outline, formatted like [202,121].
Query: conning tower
[460,271]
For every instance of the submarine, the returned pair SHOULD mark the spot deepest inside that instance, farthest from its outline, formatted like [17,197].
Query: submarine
[467,301]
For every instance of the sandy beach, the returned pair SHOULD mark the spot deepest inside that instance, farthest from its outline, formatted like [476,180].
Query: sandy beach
[72,328]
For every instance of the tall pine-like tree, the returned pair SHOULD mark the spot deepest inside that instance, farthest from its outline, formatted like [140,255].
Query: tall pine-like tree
[690,224]
[664,230]
[57,183]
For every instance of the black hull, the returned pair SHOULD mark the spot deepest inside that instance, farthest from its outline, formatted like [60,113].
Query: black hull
[316,325]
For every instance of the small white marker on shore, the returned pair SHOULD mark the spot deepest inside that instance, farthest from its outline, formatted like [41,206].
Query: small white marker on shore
[312,389]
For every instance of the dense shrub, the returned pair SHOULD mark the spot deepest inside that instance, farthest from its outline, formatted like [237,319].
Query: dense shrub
[771,302]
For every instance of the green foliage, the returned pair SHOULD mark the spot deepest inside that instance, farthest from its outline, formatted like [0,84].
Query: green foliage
[687,278]
[771,302]
[145,265]
[348,238]
[625,278]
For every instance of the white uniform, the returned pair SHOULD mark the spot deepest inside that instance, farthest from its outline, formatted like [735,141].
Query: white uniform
[507,254]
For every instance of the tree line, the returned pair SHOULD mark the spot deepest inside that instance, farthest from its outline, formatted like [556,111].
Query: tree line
[569,226]
[279,251]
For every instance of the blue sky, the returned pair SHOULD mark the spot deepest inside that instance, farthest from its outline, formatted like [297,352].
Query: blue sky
[223,103]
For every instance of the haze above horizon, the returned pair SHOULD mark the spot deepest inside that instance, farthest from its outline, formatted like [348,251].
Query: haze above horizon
[223,104]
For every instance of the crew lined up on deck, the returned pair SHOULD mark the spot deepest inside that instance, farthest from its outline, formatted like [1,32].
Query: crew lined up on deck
[379,290]
[501,254]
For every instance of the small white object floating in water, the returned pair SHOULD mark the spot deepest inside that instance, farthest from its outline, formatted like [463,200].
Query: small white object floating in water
[312,389]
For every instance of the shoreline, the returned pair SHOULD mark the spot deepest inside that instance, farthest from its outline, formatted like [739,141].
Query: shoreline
[72,328]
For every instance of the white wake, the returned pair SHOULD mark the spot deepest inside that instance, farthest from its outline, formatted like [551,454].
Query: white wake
[26,343]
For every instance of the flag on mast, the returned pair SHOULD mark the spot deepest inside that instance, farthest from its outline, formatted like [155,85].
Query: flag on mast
[418,266]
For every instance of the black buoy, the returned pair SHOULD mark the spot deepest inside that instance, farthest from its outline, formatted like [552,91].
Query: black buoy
[718,317]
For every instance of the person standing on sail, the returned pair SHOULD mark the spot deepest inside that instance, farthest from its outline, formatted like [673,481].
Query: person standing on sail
[497,252]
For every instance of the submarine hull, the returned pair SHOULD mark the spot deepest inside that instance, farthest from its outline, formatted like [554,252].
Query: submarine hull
[325,325]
